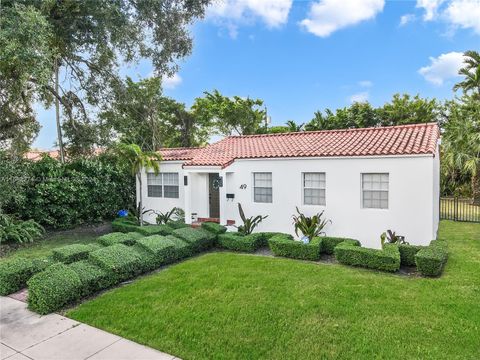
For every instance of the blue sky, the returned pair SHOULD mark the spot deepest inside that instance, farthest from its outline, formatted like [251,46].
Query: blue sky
[304,56]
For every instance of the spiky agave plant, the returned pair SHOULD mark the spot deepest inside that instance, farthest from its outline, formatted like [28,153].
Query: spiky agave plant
[309,226]
[250,223]
[19,231]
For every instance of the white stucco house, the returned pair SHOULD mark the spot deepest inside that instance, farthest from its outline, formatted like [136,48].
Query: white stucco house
[367,181]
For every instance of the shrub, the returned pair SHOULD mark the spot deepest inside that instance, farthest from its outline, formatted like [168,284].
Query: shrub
[119,238]
[91,276]
[349,253]
[408,252]
[119,261]
[199,239]
[432,259]
[182,248]
[177,224]
[13,230]
[309,226]
[53,288]
[329,243]
[14,274]
[124,225]
[239,242]
[42,263]
[214,227]
[71,253]
[162,249]
[249,223]
[284,245]
[154,230]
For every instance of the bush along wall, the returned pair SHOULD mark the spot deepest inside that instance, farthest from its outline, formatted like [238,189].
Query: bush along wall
[431,260]
[239,242]
[408,252]
[350,253]
[284,245]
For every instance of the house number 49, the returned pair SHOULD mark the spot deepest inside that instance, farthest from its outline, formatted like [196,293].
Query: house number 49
[243,186]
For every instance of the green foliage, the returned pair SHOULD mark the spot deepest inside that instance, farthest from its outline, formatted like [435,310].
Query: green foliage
[239,242]
[408,252]
[41,263]
[119,261]
[154,230]
[214,227]
[249,224]
[199,239]
[19,231]
[309,226]
[53,288]
[388,259]
[391,238]
[71,253]
[471,72]
[164,218]
[14,274]
[183,249]
[128,238]
[91,277]
[162,249]
[177,224]
[431,260]
[124,225]
[284,245]
[229,115]
[329,243]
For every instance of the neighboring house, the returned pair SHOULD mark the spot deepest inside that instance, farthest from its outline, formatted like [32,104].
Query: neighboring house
[36,155]
[367,181]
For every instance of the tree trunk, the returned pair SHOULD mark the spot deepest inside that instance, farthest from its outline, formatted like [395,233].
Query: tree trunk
[140,202]
[476,186]
[57,116]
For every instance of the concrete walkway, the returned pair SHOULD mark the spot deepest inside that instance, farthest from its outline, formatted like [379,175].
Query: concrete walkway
[26,335]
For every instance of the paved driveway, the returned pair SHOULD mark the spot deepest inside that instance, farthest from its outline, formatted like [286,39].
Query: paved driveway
[26,335]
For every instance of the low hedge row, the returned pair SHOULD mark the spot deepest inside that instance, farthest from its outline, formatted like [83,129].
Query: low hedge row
[160,248]
[14,274]
[92,277]
[75,252]
[214,227]
[148,230]
[238,242]
[329,243]
[284,245]
[182,248]
[199,239]
[126,225]
[408,252]
[119,238]
[431,260]
[177,224]
[350,253]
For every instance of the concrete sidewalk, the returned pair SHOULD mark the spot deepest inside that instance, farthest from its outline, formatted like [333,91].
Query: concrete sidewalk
[26,335]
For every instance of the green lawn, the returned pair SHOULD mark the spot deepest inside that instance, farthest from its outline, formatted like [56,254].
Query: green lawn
[226,305]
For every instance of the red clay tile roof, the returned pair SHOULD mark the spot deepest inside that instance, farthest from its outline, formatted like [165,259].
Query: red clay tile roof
[393,140]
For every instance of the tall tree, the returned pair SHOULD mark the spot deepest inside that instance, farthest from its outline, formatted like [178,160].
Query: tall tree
[293,126]
[88,40]
[230,115]
[471,72]
[139,161]
[404,109]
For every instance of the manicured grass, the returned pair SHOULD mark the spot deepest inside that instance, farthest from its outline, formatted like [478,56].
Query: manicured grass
[236,306]
[44,247]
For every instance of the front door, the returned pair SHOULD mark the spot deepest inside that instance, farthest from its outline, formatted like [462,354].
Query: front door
[213,196]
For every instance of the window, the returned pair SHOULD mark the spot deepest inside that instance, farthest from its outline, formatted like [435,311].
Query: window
[314,188]
[262,187]
[375,191]
[163,184]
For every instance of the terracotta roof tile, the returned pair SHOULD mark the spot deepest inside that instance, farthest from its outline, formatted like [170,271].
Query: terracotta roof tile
[394,140]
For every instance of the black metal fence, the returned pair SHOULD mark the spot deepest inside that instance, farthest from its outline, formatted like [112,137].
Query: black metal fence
[453,208]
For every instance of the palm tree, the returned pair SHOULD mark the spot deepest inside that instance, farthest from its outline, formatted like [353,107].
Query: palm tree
[138,160]
[471,71]
[293,127]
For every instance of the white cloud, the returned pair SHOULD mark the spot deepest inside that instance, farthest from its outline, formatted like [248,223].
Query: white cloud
[365,83]
[431,8]
[233,13]
[328,16]
[359,97]
[464,14]
[442,68]
[405,19]
[171,82]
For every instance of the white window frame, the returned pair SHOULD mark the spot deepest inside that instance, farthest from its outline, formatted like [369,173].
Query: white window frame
[163,178]
[263,187]
[324,188]
[376,187]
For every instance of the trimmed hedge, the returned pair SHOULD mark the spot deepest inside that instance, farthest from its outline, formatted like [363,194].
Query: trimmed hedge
[75,252]
[349,253]
[91,276]
[124,225]
[119,238]
[329,244]
[238,242]
[14,274]
[177,224]
[148,230]
[42,263]
[119,261]
[182,248]
[431,260]
[408,252]
[199,239]
[162,249]
[214,227]
[53,288]
[284,245]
